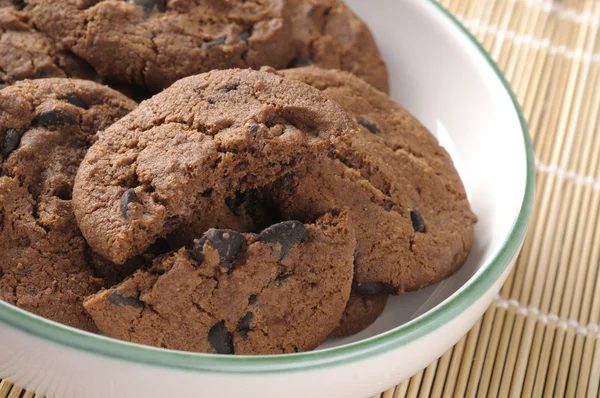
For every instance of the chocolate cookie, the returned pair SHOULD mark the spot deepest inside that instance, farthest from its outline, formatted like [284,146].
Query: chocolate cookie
[46,127]
[26,53]
[413,219]
[328,35]
[280,291]
[183,155]
[360,313]
[153,43]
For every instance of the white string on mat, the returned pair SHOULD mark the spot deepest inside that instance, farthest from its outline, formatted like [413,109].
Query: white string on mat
[568,174]
[562,13]
[545,318]
[530,40]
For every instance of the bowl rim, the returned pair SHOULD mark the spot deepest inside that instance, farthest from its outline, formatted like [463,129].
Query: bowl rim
[428,322]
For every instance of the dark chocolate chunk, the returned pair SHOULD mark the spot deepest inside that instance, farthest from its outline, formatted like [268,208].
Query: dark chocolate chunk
[122,301]
[231,86]
[252,299]
[288,182]
[281,279]
[245,35]
[213,43]
[74,99]
[388,204]
[299,63]
[220,338]
[417,221]
[149,5]
[10,142]
[212,101]
[254,128]
[226,242]
[128,197]
[371,288]
[369,125]
[54,117]
[287,233]
[244,324]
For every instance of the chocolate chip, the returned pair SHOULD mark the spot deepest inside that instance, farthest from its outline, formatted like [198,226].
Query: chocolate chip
[231,86]
[74,99]
[299,63]
[244,324]
[417,221]
[281,279]
[234,203]
[371,288]
[128,197]
[212,101]
[220,338]
[54,117]
[226,242]
[10,142]
[254,128]
[206,193]
[245,35]
[388,204]
[149,5]
[252,299]
[213,43]
[287,233]
[288,182]
[122,301]
[369,125]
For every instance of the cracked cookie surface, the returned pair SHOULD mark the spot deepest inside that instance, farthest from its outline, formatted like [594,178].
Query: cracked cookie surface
[329,35]
[179,158]
[280,291]
[153,43]
[26,53]
[46,127]
[407,202]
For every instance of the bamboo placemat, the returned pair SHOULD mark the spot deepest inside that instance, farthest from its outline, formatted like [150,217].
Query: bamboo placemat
[539,337]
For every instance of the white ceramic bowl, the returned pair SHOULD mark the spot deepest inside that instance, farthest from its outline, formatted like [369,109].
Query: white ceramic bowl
[441,75]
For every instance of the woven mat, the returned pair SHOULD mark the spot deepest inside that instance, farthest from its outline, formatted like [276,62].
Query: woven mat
[539,337]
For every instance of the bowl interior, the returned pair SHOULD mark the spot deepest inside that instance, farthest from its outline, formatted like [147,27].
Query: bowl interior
[437,76]
[440,76]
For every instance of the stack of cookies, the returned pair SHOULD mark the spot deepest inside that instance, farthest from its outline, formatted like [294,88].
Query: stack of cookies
[265,195]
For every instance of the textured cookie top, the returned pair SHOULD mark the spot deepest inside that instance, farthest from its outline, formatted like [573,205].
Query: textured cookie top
[46,127]
[153,43]
[327,34]
[282,290]
[26,53]
[404,191]
[205,137]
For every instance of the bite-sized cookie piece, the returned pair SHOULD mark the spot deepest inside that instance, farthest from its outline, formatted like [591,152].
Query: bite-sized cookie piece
[46,127]
[327,34]
[153,43]
[280,291]
[360,313]
[26,53]
[407,200]
[191,148]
